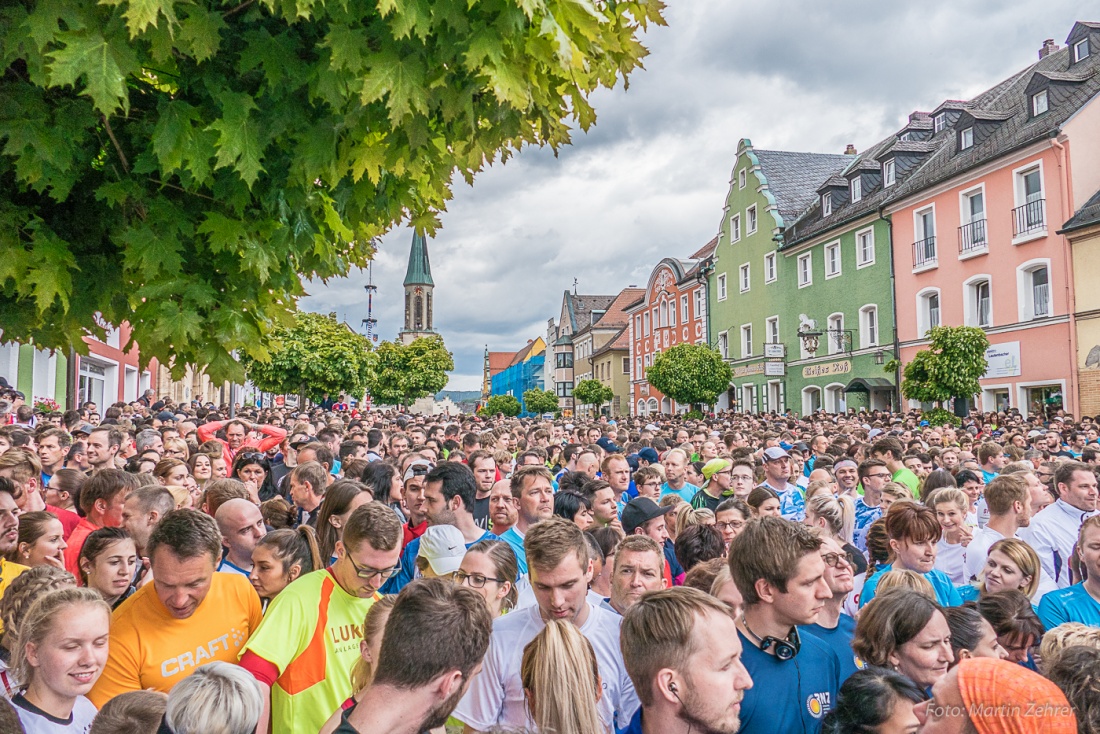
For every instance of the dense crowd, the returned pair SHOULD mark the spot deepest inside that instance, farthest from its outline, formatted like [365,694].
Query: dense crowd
[170,568]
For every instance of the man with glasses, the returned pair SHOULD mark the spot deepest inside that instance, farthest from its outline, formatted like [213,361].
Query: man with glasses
[873,474]
[305,648]
[833,627]
[730,519]
[718,479]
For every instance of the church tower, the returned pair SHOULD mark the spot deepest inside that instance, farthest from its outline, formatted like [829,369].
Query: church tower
[418,293]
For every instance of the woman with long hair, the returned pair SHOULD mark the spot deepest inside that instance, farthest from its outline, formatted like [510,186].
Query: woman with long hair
[906,631]
[282,556]
[561,680]
[17,599]
[384,483]
[341,499]
[41,540]
[59,655]
[201,468]
[1012,565]
[837,517]
[253,468]
[490,568]
[171,471]
[108,561]
[914,533]
[764,502]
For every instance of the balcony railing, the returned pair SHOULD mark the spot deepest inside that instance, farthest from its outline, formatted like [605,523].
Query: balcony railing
[972,237]
[1029,218]
[1041,296]
[924,252]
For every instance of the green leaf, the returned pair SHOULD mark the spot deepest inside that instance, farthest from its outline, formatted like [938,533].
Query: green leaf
[103,66]
[172,134]
[239,138]
[200,32]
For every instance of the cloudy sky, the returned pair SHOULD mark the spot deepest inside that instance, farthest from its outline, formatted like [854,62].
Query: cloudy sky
[650,179]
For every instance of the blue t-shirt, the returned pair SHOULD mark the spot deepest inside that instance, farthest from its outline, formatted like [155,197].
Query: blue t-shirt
[789,696]
[635,725]
[401,579]
[1071,604]
[514,539]
[865,515]
[686,492]
[946,593]
[840,640]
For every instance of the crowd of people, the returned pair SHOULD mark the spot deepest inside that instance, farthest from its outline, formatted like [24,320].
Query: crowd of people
[175,568]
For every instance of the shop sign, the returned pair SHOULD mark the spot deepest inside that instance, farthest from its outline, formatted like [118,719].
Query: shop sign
[1002,360]
[775,369]
[775,351]
[842,367]
[749,369]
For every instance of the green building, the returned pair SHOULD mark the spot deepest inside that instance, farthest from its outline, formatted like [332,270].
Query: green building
[753,284]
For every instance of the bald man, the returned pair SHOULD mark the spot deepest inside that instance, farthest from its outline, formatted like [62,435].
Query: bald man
[241,526]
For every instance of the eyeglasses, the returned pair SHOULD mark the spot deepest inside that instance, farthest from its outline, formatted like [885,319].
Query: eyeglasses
[474,580]
[366,573]
[878,476]
[729,525]
[251,456]
[833,559]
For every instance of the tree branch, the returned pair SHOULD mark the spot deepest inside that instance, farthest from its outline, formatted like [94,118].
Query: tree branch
[118,148]
[237,9]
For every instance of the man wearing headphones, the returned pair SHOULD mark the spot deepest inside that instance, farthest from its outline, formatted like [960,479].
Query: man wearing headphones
[777,566]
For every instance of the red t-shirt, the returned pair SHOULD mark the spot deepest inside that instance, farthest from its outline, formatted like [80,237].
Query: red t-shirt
[76,542]
[69,519]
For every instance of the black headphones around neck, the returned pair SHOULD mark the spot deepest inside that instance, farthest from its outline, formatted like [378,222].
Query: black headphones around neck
[785,648]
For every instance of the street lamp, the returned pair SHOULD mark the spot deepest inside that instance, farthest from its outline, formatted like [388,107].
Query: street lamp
[880,357]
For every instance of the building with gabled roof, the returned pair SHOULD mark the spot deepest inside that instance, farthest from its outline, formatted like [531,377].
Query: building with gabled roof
[419,291]
[594,336]
[577,312]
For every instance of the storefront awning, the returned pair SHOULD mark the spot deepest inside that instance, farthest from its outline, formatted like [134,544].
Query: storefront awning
[867,384]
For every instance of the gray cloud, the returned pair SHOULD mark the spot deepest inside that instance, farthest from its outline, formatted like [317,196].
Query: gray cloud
[649,180]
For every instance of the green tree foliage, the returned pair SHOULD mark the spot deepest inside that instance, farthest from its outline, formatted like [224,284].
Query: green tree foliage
[592,392]
[317,355]
[540,401]
[184,164]
[690,374]
[949,368]
[508,405]
[400,373]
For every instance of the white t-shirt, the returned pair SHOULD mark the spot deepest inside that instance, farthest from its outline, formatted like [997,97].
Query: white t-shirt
[495,697]
[37,721]
[951,559]
[977,553]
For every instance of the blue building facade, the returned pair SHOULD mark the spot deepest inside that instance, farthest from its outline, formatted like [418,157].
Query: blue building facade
[520,377]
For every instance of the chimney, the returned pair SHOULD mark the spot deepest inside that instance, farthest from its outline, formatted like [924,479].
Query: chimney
[1049,47]
[850,150]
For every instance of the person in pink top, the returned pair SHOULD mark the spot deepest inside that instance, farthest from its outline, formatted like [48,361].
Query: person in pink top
[239,435]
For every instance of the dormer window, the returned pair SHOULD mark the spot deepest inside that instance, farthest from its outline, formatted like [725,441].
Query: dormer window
[1081,50]
[856,189]
[939,122]
[888,175]
[826,205]
[1040,103]
[907,137]
[966,138]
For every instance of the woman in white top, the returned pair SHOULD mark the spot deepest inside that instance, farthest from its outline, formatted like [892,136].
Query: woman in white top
[951,507]
[60,654]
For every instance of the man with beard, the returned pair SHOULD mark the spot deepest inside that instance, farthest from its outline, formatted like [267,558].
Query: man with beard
[561,570]
[683,653]
[639,567]
[417,686]
[778,568]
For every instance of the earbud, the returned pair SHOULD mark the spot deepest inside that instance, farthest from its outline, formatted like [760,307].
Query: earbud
[672,689]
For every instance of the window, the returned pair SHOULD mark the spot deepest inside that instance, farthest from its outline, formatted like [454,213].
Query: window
[805,270]
[1080,50]
[724,345]
[972,233]
[671,313]
[744,274]
[645,321]
[564,389]
[700,304]
[836,336]
[1040,292]
[888,172]
[771,327]
[735,228]
[626,365]
[939,122]
[664,313]
[656,319]
[865,247]
[722,287]
[978,303]
[750,219]
[907,137]
[924,228]
[746,340]
[856,189]
[1040,103]
[966,138]
[564,360]
[826,205]
[1029,215]
[1033,282]
[868,326]
[832,260]
[742,179]
[928,310]
[769,268]
[684,317]
[638,325]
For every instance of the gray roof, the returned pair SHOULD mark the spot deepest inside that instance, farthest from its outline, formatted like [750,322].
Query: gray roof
[1086,216]
[581,308]
[793,178]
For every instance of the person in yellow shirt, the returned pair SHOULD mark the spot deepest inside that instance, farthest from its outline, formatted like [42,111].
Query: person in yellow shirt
[9,535]
[305,649]
[189,616]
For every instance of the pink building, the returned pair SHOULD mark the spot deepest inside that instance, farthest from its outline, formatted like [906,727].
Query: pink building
[976,216]
[672,311]
[109,375]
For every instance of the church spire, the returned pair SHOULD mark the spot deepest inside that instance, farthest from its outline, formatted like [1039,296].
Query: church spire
[419,271]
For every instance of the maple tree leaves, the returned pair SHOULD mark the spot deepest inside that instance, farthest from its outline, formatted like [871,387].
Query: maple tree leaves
[184,164]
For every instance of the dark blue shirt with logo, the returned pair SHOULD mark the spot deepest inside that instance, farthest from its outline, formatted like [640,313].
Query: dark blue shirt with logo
[840,640]
[789,696]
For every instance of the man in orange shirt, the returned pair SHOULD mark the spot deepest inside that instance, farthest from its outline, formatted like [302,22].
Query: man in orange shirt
[189,616]
[101,498]
[237,437]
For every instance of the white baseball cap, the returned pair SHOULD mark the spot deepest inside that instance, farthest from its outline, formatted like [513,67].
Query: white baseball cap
[443,546]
